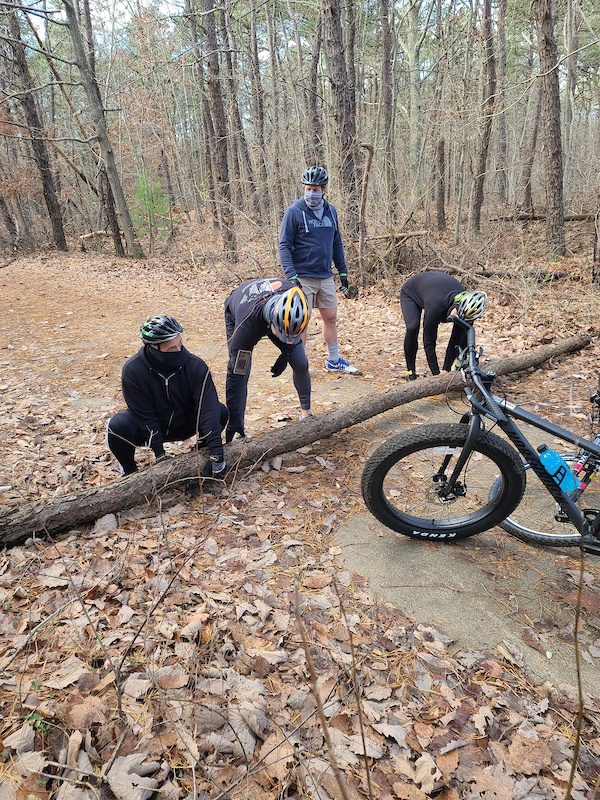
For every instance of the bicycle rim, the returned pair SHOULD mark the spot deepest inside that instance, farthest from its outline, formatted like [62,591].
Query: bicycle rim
[401,483]
[535,519]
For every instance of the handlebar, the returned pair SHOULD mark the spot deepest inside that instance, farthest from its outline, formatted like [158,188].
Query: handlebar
[469,364]
[469,360]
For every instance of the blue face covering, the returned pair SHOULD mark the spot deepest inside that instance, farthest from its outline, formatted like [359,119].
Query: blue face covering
[313,199]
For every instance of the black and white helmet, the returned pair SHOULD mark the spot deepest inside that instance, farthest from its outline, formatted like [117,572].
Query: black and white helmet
[288,314]
[471,305]
[159,329]
[314,176]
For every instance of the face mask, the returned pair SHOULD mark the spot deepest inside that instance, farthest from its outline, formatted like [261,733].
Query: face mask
[313,199]
[167,362]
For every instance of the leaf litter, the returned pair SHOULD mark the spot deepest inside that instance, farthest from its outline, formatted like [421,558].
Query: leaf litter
[158,653]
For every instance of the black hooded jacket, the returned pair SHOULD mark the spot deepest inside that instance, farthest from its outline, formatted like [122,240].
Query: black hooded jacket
[173,403]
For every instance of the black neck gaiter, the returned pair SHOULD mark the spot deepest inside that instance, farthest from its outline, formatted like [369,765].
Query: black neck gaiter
[165,363]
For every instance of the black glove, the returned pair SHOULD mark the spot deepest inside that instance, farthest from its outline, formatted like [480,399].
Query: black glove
[214,468]
[231,432]
[163,457]
[279,365]
[295,279]
[344,282]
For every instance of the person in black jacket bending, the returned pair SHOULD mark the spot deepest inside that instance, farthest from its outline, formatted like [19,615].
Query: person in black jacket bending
[269,307]
[170,396]
[435,295]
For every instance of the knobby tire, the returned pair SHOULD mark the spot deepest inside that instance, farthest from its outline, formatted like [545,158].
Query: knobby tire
[401,490]
[534,522]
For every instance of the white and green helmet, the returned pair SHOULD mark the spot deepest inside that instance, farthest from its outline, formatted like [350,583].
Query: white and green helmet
[159,329]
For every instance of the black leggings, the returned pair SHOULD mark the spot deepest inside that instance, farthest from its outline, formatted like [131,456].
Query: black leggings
[125,432]
[412,319]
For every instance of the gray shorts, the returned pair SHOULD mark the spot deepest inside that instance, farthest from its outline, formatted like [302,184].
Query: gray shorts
[320,292]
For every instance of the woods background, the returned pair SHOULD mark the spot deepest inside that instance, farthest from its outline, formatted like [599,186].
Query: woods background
[118,121]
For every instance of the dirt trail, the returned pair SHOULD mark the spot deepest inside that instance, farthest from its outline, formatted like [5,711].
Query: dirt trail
[75,322]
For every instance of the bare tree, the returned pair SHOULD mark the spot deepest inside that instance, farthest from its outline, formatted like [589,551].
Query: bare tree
[240,152]
[8,220]
[502,148]
[387,108]
[489,100]
[596,258]
[440,186]
[38,137]
[222,187]
[572,21]
[207,121]
[303,83]
[94,98]
[258,108]
[344,109]
[530,150]
[548,52]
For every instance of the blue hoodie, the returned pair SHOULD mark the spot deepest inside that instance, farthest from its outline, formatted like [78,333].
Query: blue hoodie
[308,245]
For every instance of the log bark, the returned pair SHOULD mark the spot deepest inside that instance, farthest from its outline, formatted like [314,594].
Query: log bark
[62,513]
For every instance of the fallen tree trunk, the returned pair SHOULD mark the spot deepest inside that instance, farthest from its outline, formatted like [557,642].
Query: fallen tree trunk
[61,513]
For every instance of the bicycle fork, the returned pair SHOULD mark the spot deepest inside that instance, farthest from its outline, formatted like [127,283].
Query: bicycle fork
[453,487]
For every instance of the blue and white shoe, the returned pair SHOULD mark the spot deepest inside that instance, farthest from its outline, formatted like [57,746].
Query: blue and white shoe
[341,366]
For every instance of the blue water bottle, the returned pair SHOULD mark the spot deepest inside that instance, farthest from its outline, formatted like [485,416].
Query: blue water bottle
[557,467]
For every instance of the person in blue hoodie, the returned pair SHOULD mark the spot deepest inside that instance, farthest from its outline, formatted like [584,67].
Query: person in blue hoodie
[309,242]
[170,397]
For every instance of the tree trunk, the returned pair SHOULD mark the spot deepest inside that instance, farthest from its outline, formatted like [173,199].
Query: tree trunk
[38,140]
[530,156]
[9,220]
[362,220]
[108,201]
[440,184]
[222,187]
[596,261]
[51,516]
[502,147]
[387,110]
[489,100]
[276,161]
[572,47]
[344,109]
[239,148]
[92,92]
[207,122]
[258,114]
[549,64]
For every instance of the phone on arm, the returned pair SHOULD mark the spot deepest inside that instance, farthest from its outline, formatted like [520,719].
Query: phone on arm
[242,360]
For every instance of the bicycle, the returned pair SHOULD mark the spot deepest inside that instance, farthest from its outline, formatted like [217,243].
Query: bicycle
[448,481]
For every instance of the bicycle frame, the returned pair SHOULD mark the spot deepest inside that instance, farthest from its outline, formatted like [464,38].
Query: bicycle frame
[484,404]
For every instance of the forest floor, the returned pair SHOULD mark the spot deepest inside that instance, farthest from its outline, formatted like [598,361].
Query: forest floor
[179,648]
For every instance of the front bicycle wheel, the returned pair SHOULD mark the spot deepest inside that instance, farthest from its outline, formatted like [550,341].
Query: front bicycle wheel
[539,519]
[403,483]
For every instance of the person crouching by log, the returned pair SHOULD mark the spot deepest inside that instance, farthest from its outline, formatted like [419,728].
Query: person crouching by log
[170,396]
[264,307]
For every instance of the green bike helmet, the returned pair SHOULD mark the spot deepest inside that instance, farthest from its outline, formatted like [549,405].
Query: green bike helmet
[159,329]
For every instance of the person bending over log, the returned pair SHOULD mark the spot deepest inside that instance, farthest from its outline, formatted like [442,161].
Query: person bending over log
[435,296]
[276,309]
